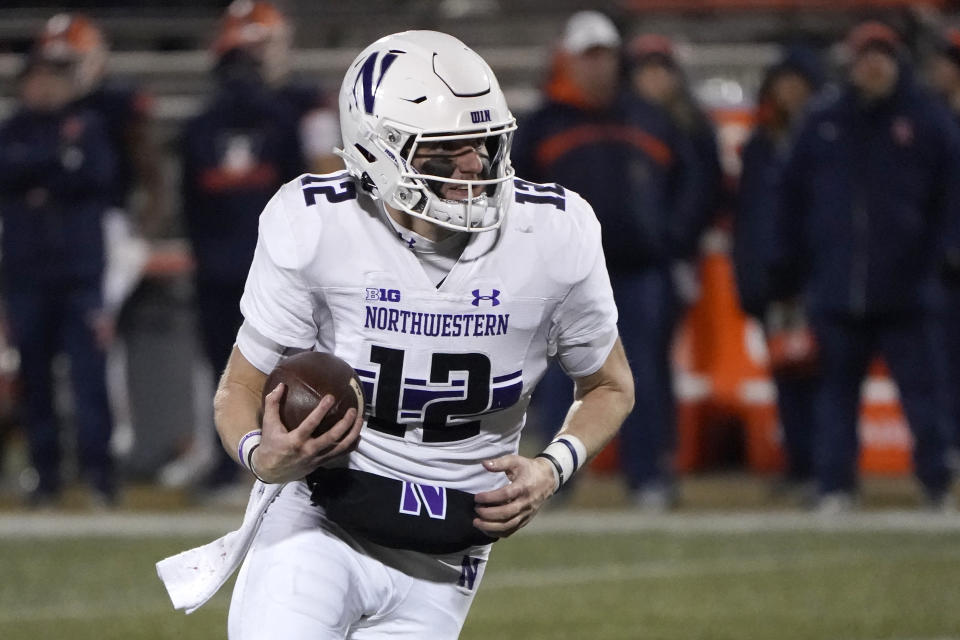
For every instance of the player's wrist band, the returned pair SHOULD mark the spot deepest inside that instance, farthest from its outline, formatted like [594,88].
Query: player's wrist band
[566,454]
[248,444]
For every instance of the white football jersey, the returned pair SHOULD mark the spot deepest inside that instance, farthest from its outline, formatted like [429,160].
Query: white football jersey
[447,370]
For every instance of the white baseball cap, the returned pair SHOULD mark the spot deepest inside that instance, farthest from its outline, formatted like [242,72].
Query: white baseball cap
[586,29]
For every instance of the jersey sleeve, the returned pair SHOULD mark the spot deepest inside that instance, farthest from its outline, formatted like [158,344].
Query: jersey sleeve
[585,322]
[276,301]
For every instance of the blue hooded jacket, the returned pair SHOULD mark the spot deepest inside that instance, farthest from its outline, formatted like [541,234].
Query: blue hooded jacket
[869,203]
[758,196]
[56,170]
[630,163]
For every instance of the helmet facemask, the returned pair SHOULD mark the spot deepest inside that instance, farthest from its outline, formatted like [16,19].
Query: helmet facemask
[428,165]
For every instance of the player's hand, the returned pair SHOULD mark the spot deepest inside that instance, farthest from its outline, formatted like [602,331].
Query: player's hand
[503,511]
[290,455]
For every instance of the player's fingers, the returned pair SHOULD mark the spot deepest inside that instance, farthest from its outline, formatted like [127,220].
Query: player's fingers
[339,432]
[337,440]
[353,437]
[348,426]
[500,513]
[346,433]
[503,495]
[271,408]
[501,529]
[305,429]
[505,464]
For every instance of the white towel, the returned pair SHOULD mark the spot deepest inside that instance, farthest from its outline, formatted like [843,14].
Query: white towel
[194,576]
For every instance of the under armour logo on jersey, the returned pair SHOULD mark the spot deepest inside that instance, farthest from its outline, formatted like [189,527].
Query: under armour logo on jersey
[469,567]
[417,496]
[494,297]
[368,89]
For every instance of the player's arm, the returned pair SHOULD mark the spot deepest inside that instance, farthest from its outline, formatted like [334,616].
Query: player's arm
[602,401]
[282,456]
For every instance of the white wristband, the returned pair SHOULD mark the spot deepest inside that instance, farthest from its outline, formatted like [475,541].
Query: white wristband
[248,444]
[566,454]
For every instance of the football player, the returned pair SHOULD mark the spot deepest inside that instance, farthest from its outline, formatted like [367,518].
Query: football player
[447,283]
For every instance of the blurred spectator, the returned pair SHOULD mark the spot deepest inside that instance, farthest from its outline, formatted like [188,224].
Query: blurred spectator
[56,171]
[630,162]
[137,193]
[125,111]
[944,75]
[261,30]
[868,201]
[236,155]
[657,77]
[786,89]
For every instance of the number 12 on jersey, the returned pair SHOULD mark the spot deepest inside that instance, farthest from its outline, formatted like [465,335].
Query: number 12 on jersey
[434,401]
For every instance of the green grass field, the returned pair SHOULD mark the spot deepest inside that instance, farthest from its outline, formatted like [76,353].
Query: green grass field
[591,577]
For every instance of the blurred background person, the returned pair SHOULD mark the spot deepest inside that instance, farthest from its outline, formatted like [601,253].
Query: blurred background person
[657,77]
[631,163]
[236,154]
[137,194]
[57,169]
[265,34]
[869,191]
[943,74]
[786,89]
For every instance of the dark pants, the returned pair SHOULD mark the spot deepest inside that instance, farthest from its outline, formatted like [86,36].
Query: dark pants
[648,312]
[218,305]
[795,402]
[951,335]
[911,347]
[45,320]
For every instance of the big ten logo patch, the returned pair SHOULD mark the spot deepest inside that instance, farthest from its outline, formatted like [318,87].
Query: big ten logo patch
[382,295]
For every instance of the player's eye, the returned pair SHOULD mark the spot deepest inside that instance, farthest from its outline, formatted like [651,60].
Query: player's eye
[452,147]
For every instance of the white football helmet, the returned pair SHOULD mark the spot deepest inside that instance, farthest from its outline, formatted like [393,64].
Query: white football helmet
[420,87]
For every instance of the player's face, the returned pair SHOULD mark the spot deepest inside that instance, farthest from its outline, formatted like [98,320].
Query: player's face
[47,87]
[874,73]
[791,91]
[456,159]
[656,82]
[596,72]
[943,74]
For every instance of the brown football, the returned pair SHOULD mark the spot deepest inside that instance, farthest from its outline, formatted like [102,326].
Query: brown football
[308,377]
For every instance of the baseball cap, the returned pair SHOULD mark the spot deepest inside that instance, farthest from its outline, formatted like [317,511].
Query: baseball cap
[652,47]
[873,35]
[949,45]
[587,29]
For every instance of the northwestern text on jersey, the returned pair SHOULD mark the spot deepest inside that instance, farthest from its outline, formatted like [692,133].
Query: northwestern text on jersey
[446,325]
